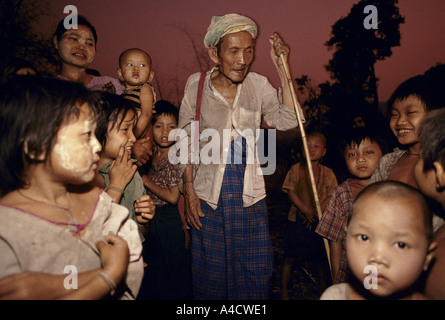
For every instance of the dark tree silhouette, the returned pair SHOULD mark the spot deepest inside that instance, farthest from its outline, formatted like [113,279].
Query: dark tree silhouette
[20,42]
[352,97]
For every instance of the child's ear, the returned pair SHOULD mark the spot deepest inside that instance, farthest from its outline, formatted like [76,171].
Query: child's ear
[440,174]
[119,73]
[32,155]
[430,255]
[152,74]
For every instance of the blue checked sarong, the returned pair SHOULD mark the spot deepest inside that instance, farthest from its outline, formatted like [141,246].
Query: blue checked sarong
[232,253]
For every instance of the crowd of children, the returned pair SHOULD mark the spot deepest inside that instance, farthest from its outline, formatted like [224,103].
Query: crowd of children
[93,165]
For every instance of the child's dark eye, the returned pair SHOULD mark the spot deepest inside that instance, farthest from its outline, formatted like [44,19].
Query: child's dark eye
[401,245]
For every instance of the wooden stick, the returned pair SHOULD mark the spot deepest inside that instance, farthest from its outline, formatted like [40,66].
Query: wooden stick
[306,151]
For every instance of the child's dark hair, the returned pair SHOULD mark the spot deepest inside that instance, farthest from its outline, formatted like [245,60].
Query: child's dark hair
[432,139]
[389,190]
[167,108]
[32,110]
[114,109]
[416,86]
[319,134]
[121,56]
[354,136]
[81,21]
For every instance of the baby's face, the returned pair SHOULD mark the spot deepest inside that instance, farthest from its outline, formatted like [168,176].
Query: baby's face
[135,68]
[388,235]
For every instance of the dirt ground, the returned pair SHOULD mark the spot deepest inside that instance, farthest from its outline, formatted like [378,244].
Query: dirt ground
[303,284]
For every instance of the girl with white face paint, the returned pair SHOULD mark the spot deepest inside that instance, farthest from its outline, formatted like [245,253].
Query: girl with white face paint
[49,155]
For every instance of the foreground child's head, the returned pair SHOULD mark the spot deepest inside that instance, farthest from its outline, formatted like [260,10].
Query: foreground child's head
[362,152]
[115,125]
[164,121]
[390,233]
[407,107]
[46,122]
[135,67]
[430,170]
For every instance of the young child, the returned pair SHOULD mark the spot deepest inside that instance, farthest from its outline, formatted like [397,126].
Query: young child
[116,172]
[430,176]
[389,244]
[136,73]
[362,152]
[407,107]
[50,218]
[301,241]
[169,274]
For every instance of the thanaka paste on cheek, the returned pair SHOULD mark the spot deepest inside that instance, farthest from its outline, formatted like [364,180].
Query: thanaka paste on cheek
[76,156]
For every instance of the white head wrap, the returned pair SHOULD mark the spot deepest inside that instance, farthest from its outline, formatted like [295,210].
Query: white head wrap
[230,23]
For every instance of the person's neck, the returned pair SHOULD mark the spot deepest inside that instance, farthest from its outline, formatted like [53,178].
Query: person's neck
[103,161]
[162,152]
[75,74]
[219,80]
[362,182]
[414,149]
[42,187]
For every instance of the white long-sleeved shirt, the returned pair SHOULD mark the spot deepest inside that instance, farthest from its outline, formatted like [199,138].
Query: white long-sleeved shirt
[255,97]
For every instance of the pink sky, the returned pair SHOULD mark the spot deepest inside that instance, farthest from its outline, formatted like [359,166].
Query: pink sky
[305,25]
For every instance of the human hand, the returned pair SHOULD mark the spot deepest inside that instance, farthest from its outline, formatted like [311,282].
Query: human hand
[114,255]
[277,49]
[122,169]
[312,217]
[142,150]
[145,209]
[109,87]
[192,206]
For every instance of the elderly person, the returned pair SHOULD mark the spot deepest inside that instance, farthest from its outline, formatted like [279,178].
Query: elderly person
[225,201]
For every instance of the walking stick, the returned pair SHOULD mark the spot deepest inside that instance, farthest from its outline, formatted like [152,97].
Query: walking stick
[306,151]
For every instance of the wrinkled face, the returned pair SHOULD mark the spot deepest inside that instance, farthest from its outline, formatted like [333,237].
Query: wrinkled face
[362,160]
[388,234]
[161,129]
[316,148]
[77,47]
[135,68]
[406,116]
[76,152]
[120,136]
[236,55]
